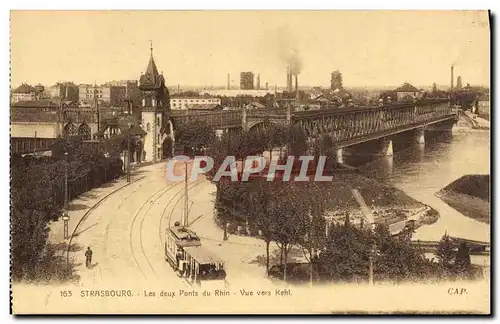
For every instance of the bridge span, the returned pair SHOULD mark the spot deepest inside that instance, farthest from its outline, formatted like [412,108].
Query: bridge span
[369,129]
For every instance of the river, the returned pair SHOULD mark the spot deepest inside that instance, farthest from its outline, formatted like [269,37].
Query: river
[423,170]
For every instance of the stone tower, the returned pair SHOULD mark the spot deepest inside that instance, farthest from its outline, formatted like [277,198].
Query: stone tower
[155,111]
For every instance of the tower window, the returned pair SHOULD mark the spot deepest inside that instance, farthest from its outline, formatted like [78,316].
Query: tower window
[157,121]
[144,102]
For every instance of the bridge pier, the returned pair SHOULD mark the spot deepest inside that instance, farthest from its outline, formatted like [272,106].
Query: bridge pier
[441,131]
[403,140]
[366,152]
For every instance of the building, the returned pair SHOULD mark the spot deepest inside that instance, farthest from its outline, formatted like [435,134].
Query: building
[239,92]
[132,93]
[406,92]
[177,102]
[246,81]
[459,83]
[155,114]
[66,91]
[24,92]
[108,94]
[204,107]
[336,81]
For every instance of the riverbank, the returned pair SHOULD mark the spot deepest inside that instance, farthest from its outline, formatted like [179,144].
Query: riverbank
[388,204]
[470,196]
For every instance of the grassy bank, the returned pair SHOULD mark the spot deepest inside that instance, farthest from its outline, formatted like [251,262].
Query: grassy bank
[388,204]
[472,207]
[469,195]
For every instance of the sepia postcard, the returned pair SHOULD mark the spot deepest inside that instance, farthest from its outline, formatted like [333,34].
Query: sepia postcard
[250,162]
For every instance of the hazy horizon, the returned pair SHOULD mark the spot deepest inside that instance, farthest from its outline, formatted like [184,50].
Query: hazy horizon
[199,48]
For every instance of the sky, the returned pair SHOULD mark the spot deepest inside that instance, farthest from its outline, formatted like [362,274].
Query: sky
[370,48]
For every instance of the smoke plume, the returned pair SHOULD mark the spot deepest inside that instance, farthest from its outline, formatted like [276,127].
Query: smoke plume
[288,51]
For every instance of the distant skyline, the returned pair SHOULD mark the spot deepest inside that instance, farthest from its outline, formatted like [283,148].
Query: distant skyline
[370,48]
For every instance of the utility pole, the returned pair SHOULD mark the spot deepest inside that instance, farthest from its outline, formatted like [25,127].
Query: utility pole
[186,198]
[34,146]
[65,213]
[370,269]
[128,153]
[311,249]
[96,103]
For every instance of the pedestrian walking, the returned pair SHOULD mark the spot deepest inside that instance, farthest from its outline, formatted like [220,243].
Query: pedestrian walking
[88,257]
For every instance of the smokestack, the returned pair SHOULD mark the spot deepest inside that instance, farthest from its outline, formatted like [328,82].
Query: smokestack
[297,97]
[287,78]
[228,81]
[289,85]
[451,89]
[258,81]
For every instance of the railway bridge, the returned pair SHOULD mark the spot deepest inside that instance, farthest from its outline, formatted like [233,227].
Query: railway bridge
[357,131]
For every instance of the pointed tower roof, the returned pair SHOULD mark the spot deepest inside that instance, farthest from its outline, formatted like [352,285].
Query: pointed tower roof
[151,79]
[152,70]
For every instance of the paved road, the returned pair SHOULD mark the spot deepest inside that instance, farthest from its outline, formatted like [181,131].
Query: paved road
[126,233]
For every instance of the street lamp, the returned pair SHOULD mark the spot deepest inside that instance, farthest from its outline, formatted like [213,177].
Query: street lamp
[373,254]
[65,216]
[128,151]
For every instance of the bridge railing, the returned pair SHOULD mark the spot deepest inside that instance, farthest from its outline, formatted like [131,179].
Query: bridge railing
[219,119]
[352,123]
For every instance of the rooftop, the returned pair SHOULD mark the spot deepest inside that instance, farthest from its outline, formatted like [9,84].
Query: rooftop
[44,103]
[406,87]
[209,106]
[24,88]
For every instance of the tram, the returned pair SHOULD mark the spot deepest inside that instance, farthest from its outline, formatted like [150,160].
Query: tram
[191,261]
[186,255]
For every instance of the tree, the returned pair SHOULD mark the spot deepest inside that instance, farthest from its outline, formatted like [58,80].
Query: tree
[462,259]
[258,207]
[445,251]
[195,135]
[297,141]
[290,215]
[347,253]
[314,238]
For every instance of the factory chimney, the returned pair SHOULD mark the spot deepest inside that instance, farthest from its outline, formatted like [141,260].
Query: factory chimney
[258,81]
[290,80]
[451,89]
[287,78]
[228,81]
[297,87]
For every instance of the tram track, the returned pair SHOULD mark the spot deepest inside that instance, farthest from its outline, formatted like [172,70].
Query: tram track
[156,196]
[161,192]
[160,232]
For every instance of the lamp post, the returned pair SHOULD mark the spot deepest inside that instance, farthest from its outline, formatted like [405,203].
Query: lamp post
[128,151]
[372,256]
[65,216]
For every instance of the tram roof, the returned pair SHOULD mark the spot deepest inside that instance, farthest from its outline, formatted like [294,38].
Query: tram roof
[202,255]
[184,236]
